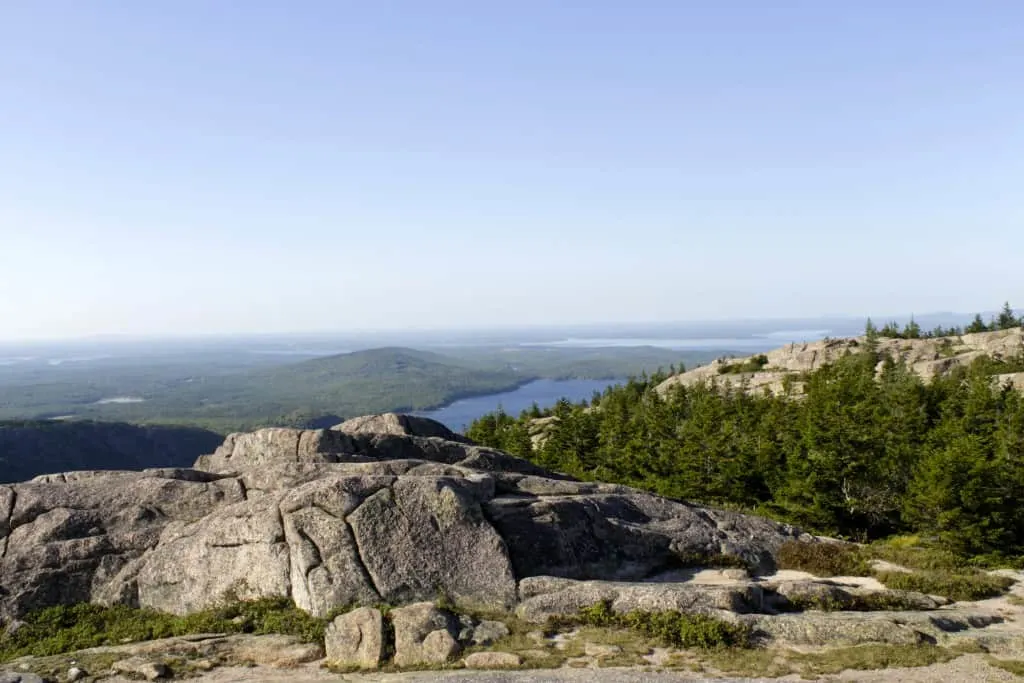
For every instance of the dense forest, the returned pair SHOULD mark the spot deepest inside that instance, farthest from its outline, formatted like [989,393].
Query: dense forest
[30,448]
[226,394]
[867,449]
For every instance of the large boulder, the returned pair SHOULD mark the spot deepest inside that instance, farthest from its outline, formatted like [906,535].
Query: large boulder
[381,509]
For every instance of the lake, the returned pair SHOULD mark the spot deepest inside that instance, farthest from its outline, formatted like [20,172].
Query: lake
[545,392]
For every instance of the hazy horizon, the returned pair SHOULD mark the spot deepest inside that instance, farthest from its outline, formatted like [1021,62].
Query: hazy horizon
[178,168]
[590,334]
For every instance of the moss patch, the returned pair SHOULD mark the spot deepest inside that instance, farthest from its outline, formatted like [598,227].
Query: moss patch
[774,663]
[869,657]
[1014,666]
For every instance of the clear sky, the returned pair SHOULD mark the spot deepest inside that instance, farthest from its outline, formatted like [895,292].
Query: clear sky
[193,166]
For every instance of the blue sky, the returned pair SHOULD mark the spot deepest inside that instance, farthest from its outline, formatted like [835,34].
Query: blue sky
[187,167]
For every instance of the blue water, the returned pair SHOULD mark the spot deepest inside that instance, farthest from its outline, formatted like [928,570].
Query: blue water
[545,392]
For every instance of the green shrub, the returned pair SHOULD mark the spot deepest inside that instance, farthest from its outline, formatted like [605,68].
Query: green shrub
[908,552]
[823,559]
[955,586]
[672,628]
[65,628]
[753,364]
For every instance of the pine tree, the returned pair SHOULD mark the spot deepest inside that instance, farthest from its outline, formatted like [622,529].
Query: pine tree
[977,325]
[1007,320]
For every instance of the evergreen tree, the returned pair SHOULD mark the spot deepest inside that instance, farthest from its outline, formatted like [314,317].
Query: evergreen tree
[977,325]
[1007,320]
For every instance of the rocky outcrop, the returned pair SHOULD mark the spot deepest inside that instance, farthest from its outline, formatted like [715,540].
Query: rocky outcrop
[926,357]
[385,509]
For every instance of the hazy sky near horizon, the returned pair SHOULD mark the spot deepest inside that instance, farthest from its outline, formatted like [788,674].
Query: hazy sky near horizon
[187,166]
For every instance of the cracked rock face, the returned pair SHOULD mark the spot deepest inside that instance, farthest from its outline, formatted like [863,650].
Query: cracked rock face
[384,508]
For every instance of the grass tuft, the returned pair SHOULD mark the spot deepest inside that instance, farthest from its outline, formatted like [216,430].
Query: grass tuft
[1014,666]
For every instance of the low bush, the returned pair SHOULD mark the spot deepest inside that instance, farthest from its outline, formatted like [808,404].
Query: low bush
[672,628]
[955,586]
[823,559]
[66,628]
[907,551]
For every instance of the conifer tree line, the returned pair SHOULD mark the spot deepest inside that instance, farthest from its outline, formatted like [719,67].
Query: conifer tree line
[865,450]
[1006,320]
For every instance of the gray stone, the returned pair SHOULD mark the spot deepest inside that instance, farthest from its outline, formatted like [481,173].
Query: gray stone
[424,634]
[140,666]
[20,677]
[394,424]
[487,632]
[76,674]
[598,650]
[811,595]
[493,660]
[356,639]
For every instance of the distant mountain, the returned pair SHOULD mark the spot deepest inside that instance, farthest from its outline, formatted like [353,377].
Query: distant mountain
[317,392]
[31,448]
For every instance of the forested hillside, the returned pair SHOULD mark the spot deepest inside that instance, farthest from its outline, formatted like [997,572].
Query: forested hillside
[867,449]
[30,448]
[321,391]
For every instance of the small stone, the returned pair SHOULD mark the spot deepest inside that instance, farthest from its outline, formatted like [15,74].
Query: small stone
[595,650]
[139,666]
[493,660]
[18,677]
[154,670]
[76,674]
[736,574]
